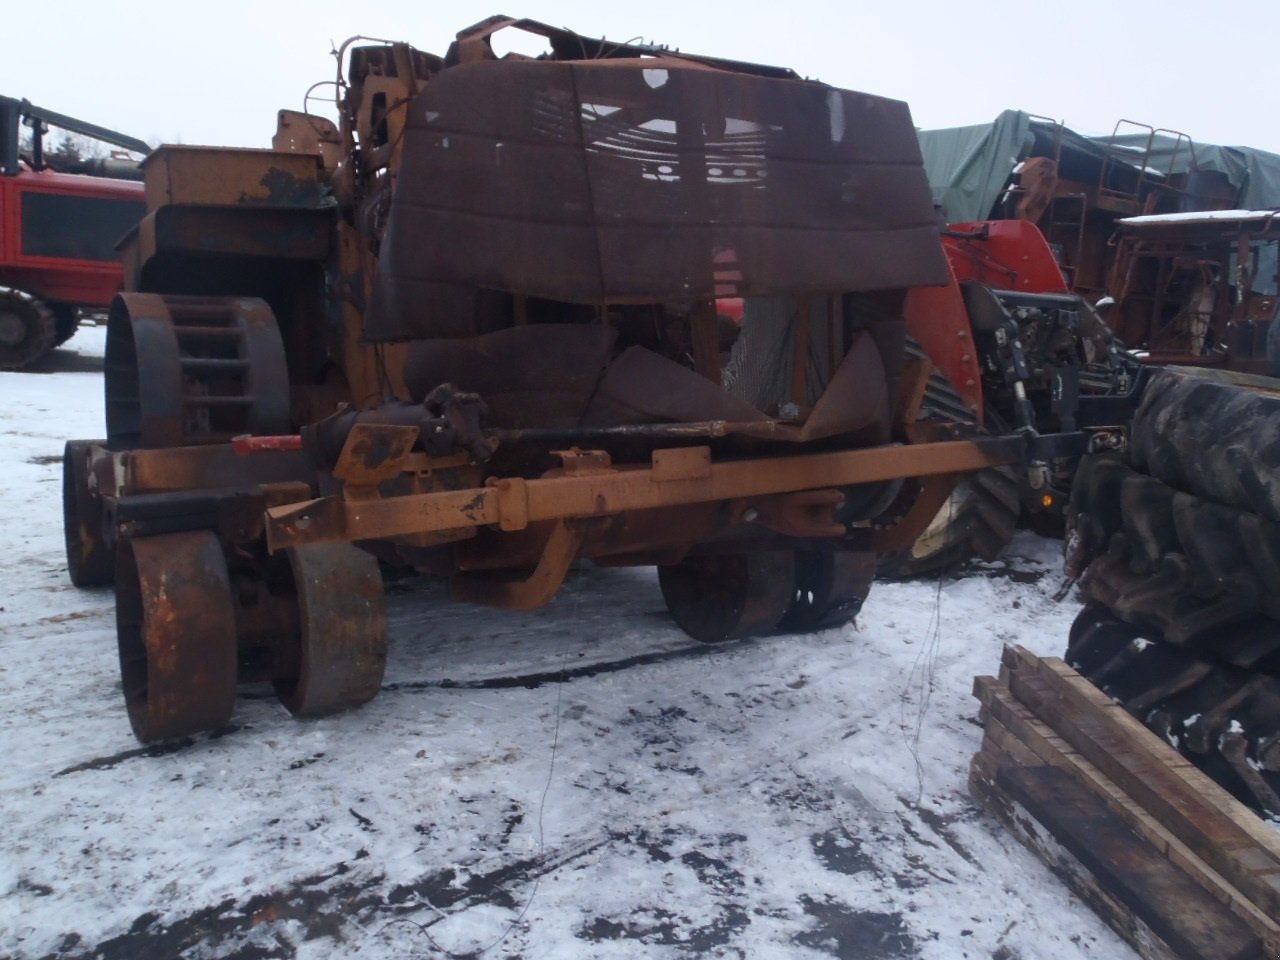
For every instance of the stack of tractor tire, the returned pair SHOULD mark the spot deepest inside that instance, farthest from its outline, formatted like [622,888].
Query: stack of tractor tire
[1177,545]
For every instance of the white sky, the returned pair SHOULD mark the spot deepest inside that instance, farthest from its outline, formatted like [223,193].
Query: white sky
[216,72]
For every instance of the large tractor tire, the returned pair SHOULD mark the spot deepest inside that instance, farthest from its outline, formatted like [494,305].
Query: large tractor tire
[27,329]
[1178,549]
[981,515]
[977,522]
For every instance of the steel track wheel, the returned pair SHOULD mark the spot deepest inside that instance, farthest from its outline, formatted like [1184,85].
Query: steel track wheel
[176,628]
[719,597]
[90,562]
[829,591]
[27,329]
[342,637]
[191,370]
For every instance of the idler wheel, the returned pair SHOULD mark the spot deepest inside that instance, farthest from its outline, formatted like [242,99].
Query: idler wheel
[718,597]
[90,562]
[176,629]
[342,636]
[829,589]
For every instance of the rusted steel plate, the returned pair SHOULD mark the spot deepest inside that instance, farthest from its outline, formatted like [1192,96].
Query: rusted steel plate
[513,503]
[214,465]
[176,627]
[287,234]
[226,175]
[646,181]
[541,375]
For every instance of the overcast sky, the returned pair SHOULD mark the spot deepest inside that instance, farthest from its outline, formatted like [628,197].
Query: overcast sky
[216,72]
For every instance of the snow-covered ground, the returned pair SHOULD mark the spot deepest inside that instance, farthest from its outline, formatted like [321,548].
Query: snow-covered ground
[583,781]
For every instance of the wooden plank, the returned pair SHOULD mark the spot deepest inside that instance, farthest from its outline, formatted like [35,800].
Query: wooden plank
[1159,779]
[1014,731]
[1024,827]
[1226,805]
[1134,875]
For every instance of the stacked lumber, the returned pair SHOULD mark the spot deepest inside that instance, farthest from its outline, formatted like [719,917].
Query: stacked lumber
[1172,862]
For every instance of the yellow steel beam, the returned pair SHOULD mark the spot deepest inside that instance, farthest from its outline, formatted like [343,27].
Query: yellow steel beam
[678,477]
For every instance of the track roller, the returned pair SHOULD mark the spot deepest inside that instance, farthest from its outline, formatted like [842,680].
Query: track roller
[717,597]
[182,371]
[90,562]
[342,636]
[829,591]
[176,628]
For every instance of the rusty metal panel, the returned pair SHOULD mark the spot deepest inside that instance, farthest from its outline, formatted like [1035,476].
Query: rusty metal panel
[648,180]
[224,175]
[286,234]
[533,376]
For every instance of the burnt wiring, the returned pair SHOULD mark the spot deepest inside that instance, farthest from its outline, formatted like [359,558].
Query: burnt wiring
[542,845]
[603,54]
[920,681]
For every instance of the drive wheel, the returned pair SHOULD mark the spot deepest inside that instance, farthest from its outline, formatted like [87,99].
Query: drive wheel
[341,642]
[718,597]
[176,628]
[90,562]
[27,329]
[830,588]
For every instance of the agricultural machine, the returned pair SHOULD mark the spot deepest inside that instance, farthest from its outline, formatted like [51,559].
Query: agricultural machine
[476,329]
[60,220]
[472,329]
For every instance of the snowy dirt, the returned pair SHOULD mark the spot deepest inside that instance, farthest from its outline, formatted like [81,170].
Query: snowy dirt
[583,781]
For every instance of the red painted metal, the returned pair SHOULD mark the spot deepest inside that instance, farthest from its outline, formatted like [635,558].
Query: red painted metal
[89,283]
[1004,254]
[939,321]
[247,445]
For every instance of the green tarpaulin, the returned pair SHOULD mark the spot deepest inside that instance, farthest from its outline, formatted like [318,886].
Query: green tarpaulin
[970,168]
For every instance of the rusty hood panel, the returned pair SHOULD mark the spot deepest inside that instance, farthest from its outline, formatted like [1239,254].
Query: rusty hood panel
[647,180]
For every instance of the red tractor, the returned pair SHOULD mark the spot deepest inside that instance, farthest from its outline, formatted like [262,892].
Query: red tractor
[1010,350]
[60,220]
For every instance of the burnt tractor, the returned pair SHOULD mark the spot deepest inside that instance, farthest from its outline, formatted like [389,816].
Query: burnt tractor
[60,219]
[471,330]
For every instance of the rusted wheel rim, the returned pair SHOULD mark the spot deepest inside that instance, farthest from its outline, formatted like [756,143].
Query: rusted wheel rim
[722,597]
[176,629]
[342,641]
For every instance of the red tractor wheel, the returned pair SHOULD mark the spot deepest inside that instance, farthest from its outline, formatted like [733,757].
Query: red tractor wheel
[27,329]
